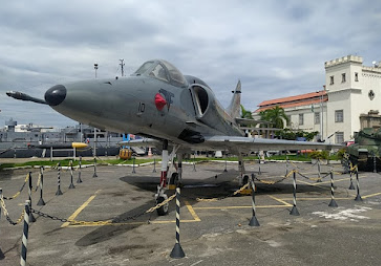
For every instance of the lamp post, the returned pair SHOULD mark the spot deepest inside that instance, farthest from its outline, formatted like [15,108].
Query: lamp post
[321,112]
[95,68]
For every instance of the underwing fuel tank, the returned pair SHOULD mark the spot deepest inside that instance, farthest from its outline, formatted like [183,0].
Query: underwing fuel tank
[366,148]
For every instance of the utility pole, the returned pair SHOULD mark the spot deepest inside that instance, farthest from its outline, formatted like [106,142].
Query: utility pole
[122,66]
[321,117]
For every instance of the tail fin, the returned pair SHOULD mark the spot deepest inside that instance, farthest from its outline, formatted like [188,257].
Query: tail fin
[235,105]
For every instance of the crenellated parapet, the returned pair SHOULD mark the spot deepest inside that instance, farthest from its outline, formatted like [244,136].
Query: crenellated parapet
[344,59]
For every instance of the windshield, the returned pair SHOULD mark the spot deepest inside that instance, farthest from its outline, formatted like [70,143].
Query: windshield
[164,71]
[144,67]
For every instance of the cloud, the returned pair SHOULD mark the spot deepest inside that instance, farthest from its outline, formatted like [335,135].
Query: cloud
[276,50]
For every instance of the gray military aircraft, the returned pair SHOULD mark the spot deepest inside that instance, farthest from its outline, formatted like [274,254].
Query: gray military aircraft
[158,102]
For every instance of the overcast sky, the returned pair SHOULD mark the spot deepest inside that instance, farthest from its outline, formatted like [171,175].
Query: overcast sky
[276,48]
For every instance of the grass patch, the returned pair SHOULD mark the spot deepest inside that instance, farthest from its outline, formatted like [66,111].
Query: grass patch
[66,162]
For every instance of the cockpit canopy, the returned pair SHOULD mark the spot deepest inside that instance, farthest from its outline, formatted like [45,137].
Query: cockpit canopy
[164,71]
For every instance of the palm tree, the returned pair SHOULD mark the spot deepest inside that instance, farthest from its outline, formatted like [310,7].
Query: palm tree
[276,116]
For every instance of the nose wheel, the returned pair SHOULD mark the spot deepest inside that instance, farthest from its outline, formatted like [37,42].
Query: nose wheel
[163,210]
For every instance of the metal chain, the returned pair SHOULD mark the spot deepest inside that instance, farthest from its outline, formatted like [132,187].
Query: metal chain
[76,222]
[313,179]
[21,189]
[161,204]
[219,198]
[277,181]
[2,202]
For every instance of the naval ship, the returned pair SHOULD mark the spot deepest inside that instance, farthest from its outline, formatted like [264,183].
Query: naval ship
[38,141]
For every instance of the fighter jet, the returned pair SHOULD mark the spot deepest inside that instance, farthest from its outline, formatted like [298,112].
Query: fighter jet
[168,108]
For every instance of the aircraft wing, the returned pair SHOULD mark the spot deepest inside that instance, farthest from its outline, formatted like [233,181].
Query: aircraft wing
[146,142]
[244,144]
[240,144]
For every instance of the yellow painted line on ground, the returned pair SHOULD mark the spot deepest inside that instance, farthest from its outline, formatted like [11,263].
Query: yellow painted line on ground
[84,205]
[372,195]
[281,201]
[329,181]
[192,212]
[306,199]
[80,209]
[241,207]
[131,223]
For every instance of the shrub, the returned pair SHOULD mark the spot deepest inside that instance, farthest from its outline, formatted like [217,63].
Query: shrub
[319,155]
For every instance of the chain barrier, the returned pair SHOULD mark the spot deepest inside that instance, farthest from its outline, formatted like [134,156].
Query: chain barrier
[21,189]
[149,211]
[103,221]
[219,198]
[96,222]
[6,214]
[311,178]
[161,204]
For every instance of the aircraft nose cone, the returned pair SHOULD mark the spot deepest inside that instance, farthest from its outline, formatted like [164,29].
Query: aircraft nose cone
[55,95]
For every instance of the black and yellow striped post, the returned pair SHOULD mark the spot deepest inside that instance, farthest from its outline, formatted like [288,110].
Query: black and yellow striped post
[259,165]
[333,201]
[319,171]
[154,166]
[30,187]
[177,251]
[194,162]
[253,221]
[95,168]
[41,201]
[1,198]
[59,192]
[358,196]
[2,256]
[294,210]
[25,233]
[374,163]
[133,165]
[79,180]
[351,186]
[71,186]
[286,166]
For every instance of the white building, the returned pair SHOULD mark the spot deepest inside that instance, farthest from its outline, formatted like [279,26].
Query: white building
[351,91]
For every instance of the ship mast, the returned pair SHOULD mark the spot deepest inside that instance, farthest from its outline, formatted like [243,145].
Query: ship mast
[122,66]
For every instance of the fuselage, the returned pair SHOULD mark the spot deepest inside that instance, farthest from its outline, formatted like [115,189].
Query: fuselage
[176,107]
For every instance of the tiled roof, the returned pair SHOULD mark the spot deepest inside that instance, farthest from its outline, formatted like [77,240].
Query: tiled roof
[293,101]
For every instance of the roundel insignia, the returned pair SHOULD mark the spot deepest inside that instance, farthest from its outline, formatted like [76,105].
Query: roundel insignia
[160,102]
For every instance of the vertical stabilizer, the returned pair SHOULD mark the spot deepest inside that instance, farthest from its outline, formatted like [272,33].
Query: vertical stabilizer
[235,105]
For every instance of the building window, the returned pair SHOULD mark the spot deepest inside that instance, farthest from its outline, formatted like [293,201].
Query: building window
[301,119]
[317,118]
[339,137]
[356,76]
[339,116]
[332,80]
[343,78]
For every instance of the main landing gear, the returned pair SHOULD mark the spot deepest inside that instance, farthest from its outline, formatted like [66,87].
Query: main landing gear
[243,177]
[161,195]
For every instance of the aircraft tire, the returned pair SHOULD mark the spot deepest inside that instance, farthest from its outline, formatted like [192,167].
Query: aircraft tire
[174,179]
[163,210]
[245,179]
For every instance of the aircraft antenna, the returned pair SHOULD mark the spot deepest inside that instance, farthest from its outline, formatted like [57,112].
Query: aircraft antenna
[122,66]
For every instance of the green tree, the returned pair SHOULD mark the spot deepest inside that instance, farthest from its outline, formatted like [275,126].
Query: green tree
[246,113]
[276,116]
